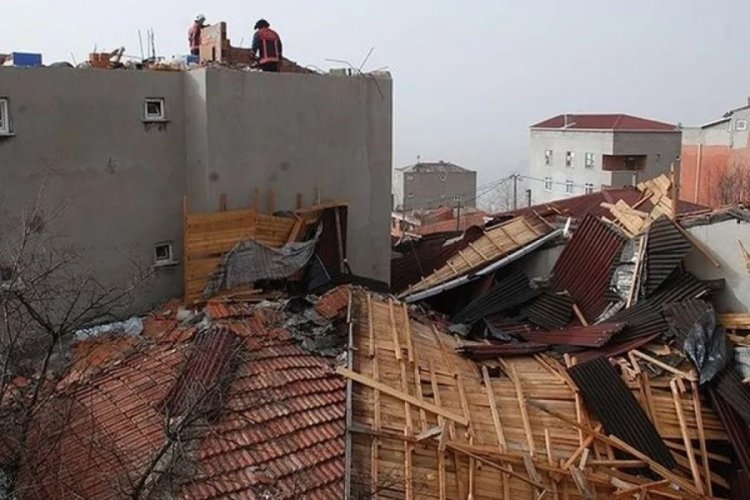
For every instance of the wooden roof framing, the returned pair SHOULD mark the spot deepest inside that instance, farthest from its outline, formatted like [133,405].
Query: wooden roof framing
[427,423]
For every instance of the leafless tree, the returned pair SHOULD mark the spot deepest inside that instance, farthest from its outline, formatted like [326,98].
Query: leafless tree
[734,185]
[46,295]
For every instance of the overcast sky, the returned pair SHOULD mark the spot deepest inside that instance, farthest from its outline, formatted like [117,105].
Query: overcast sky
[470,76]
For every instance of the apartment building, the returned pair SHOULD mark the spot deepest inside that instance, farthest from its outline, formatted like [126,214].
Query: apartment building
[575,154]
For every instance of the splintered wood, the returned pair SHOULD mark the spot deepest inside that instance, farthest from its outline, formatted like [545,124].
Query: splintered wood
[658,192]
[496,242]
[210,236]
[428,423]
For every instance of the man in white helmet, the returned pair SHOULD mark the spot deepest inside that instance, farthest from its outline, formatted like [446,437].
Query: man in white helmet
[194,34]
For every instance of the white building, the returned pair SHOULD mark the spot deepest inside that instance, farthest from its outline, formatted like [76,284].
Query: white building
[576,154]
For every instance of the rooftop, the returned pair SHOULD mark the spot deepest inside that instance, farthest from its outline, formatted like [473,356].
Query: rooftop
[618,121]
[437,166]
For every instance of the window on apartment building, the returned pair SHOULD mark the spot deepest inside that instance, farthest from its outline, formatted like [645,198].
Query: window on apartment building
[569,155]
[154,109]
[410,195]
[741,125]
[588,188]
[409,178]
[164,254]
[4,118]
[568,186]
[548,183]
[548,157]
[589,160]
[443,177]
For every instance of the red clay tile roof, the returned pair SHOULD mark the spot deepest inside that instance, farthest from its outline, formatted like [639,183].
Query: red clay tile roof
[275,428]
[619,122]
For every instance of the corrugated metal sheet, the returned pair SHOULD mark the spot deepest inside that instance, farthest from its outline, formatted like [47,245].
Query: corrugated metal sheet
[681,316]
[483,352]
[729,385]
[507,293]
[499,325]
[680,286]
[607,395]
[735,427]
[551,311]
[614,349]
[584,336]
[585,266]
[418,259]
[665,250]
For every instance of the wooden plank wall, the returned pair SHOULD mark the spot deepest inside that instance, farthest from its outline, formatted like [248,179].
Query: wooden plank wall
[506,444]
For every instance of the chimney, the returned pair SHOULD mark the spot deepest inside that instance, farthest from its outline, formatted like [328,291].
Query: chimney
[565,120]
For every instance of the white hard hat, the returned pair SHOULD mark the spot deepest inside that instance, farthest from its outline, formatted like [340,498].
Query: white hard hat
[200,17]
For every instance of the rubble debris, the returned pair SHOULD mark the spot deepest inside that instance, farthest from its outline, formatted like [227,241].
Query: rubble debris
[131,326]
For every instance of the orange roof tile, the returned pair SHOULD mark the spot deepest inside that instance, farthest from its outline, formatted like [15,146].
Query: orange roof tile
[276,424]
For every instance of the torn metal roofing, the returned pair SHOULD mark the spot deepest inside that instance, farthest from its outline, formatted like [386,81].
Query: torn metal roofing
[551,311]
[498,246]
[585,266]
[730,387]
[509,292]
[665,249]
[584,336]
[610,399]
[735,426]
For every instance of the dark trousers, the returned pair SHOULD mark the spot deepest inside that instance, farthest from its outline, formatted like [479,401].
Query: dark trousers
[270,66]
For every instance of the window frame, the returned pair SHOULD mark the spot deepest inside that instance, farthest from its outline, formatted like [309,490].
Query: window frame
[589,160]
[161,262]
[548,184]
[569,185]
[549,156]
[161,117]
[744,126]
[569,157]
[588,188]
[4,116]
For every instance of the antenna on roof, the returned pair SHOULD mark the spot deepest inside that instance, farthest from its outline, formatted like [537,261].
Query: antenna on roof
[419,158]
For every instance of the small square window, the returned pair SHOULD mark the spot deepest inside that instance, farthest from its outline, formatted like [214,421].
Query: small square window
[409,178]
[443,177]
[741,125]
[588,188]
[410,195]
[589,160]
[4,119]
[163,254]
[569,155]
[548,183]
[569,187]
[154,110]
[548,157]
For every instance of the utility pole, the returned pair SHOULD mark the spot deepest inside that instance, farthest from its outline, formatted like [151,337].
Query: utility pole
[458,212]
[515,191]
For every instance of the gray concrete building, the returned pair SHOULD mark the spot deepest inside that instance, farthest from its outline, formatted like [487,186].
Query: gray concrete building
[427,185]
[576,154]
[118,150]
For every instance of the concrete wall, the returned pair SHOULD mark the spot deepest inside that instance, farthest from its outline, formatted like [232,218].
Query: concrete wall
[296,133]
[661,150]
[424,190]
[559,142]
[722,240]
[81,134]
[116,181]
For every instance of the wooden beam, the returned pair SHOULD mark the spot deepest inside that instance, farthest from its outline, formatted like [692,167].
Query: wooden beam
[385,389]
[698,409]
[622,445]
[687,376]
[686,436]
[580,315]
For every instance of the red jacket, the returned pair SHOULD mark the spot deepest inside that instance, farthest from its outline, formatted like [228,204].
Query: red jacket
[194,35]
[267,43]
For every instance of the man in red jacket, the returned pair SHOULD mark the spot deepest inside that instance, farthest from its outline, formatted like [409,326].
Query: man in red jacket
[194,34]
[267,46]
